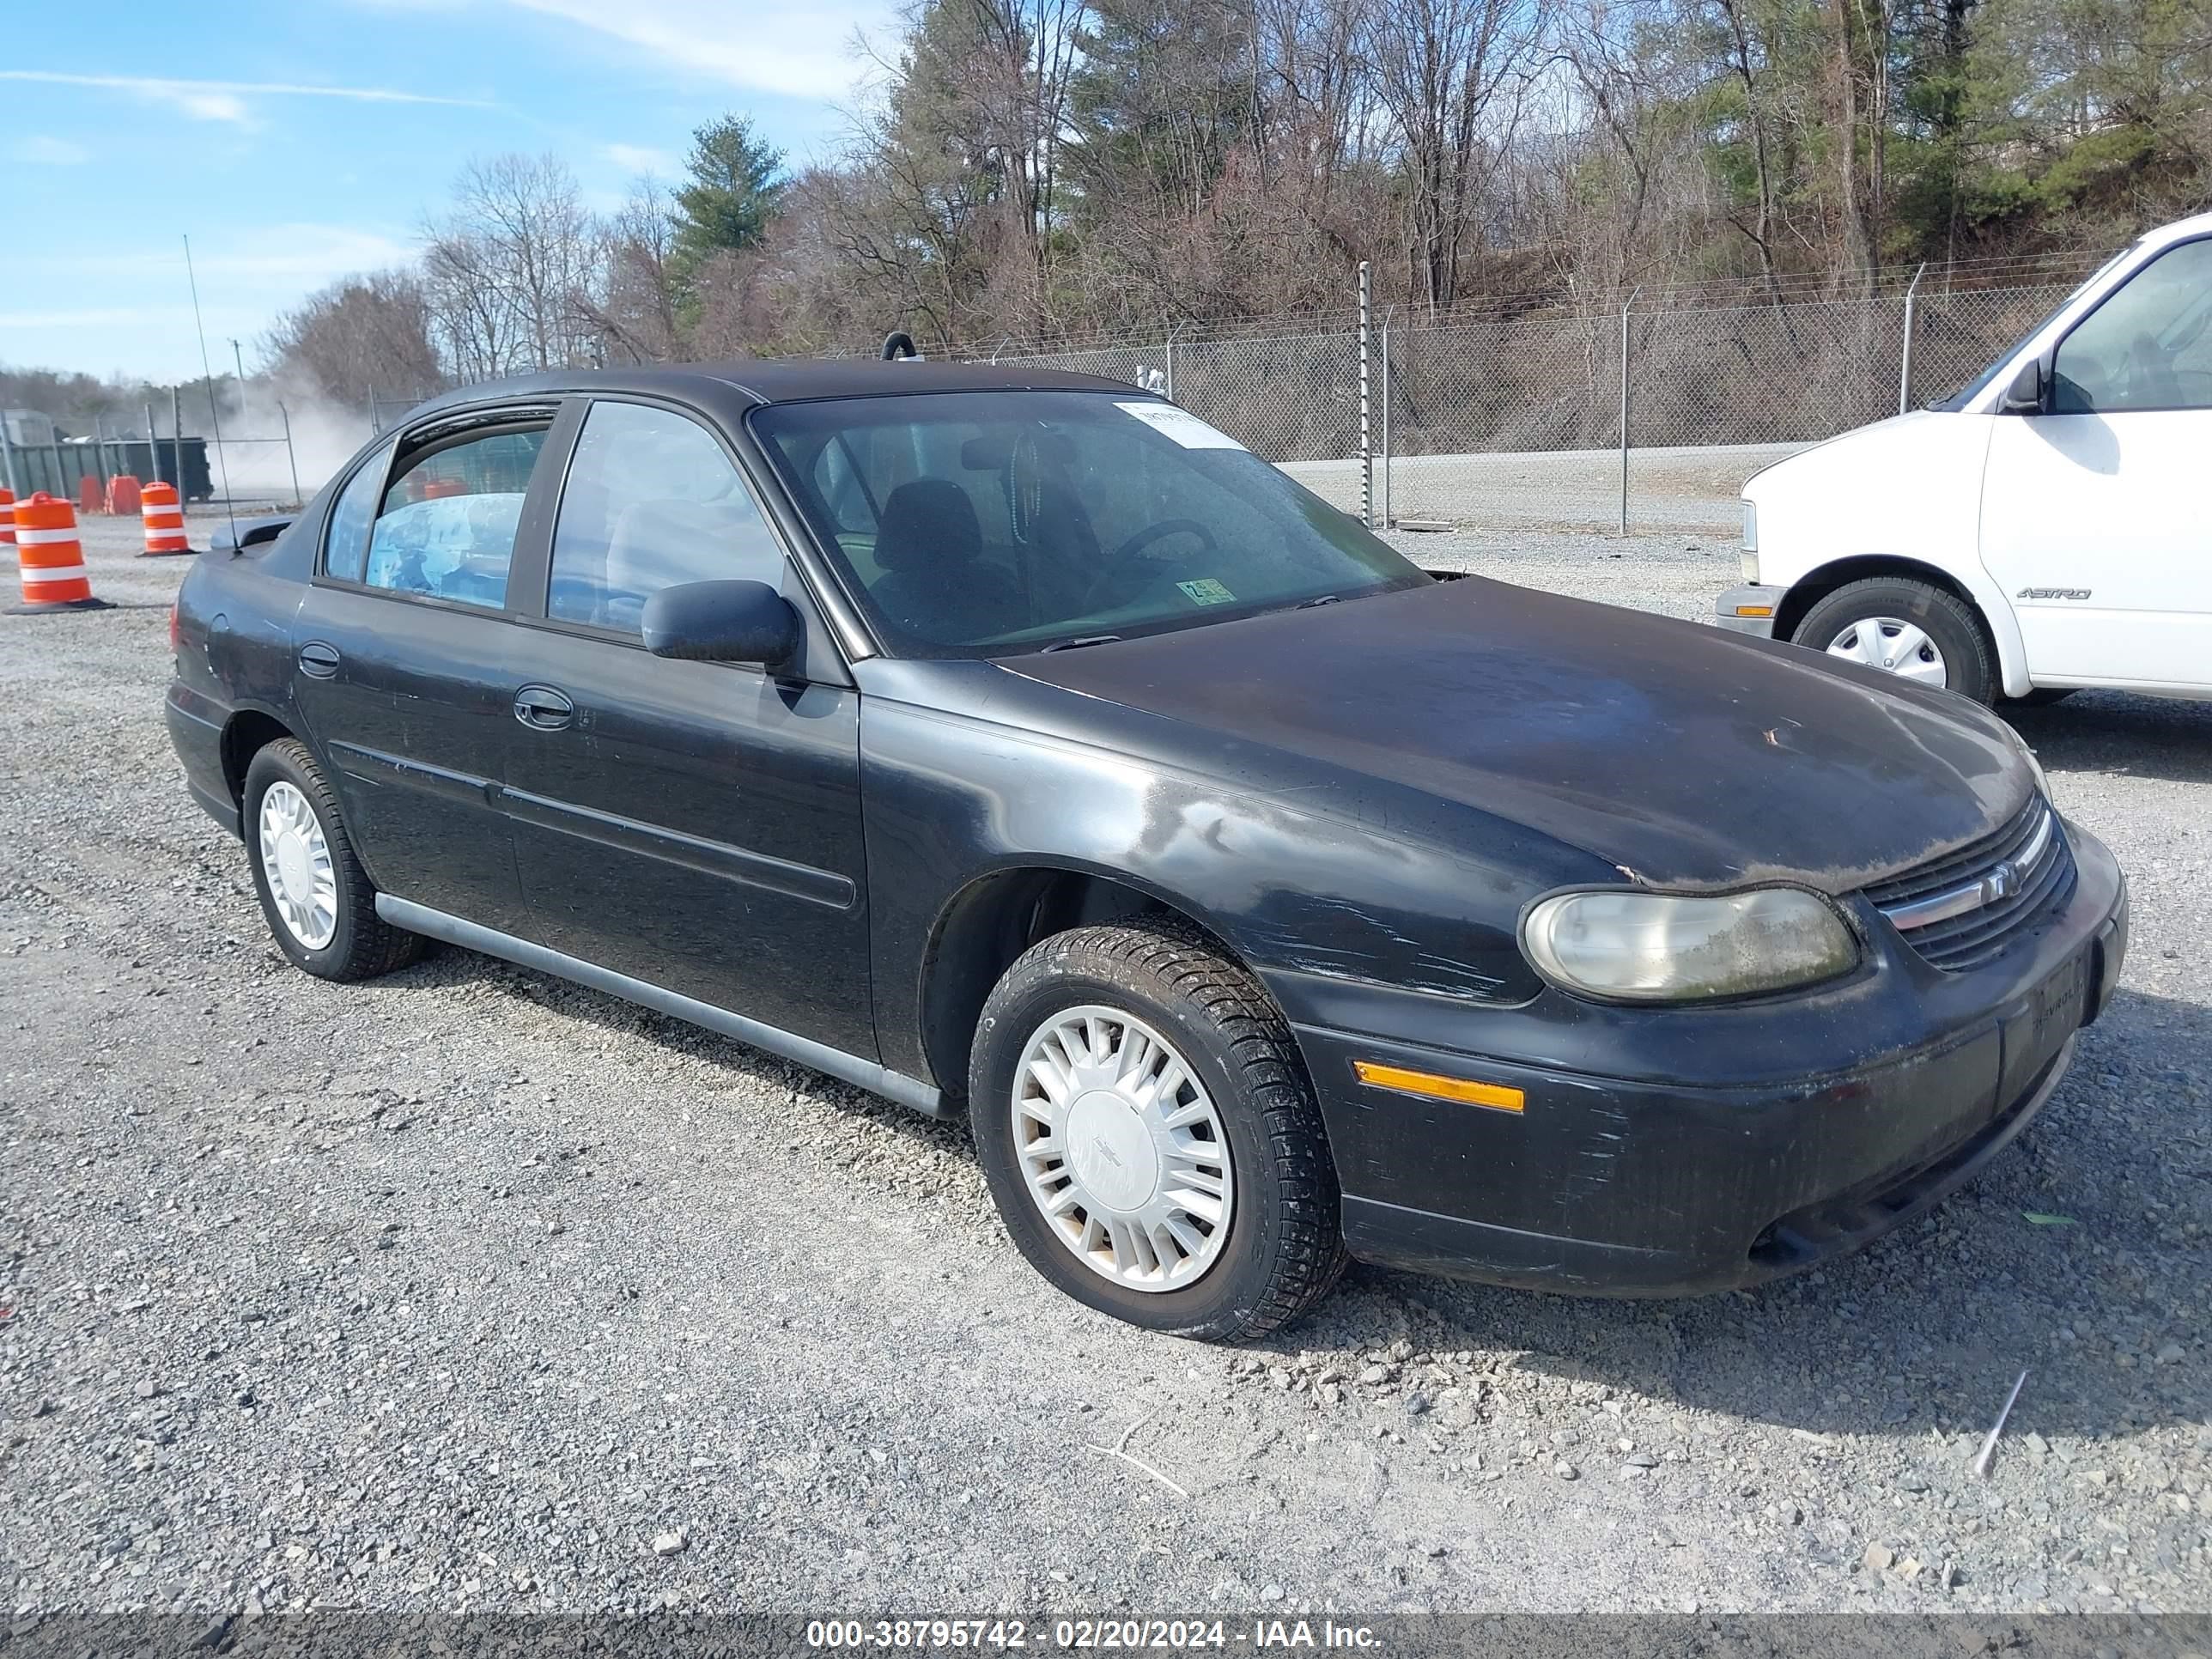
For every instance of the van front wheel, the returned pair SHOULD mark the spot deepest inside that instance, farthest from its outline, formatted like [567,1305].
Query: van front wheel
[1912,630]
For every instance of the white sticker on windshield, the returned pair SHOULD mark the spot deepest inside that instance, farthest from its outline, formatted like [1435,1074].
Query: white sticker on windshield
[1180,424]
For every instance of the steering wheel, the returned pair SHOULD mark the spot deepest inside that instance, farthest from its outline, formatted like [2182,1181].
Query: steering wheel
[1124,571]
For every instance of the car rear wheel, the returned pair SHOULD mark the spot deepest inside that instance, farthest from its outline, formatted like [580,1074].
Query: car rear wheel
[1145,1123]
[319,904]
[1912,630]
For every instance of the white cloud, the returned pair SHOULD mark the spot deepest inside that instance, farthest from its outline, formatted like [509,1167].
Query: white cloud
[797,51]
[642,158]
[289,258]
[82,317]
[207,106]
[42,150]
[225,100]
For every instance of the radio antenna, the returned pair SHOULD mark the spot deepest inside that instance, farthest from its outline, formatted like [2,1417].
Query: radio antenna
[214,414]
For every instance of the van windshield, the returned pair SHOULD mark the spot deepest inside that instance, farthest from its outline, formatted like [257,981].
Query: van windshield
[978,524]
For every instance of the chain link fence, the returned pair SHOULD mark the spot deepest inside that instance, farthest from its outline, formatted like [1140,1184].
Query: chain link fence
[1474,423]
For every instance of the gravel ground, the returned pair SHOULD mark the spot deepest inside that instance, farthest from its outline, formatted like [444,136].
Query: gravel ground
[471,1288]
[1677,489]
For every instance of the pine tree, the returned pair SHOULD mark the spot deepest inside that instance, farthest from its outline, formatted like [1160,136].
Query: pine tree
[737,183]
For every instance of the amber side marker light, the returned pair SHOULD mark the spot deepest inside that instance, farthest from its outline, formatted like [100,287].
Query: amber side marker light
[1755,610]
[1495,1095]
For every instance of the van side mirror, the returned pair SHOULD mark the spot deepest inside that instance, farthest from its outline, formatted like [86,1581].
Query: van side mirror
[740,622]
[2024,396]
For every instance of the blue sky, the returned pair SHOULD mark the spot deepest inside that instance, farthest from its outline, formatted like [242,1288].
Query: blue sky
[297,142]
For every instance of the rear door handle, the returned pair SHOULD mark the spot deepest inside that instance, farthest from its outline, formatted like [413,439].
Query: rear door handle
[542,708]
[318,661]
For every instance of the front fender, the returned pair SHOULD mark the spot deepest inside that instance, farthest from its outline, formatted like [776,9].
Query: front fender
[1905,492]
[1316,902]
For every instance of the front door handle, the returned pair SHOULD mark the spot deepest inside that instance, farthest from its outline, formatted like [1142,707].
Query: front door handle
[318,661]
[542,708]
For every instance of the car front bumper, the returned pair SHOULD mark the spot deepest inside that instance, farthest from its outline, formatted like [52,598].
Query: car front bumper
[1749,610]
[1672,1182]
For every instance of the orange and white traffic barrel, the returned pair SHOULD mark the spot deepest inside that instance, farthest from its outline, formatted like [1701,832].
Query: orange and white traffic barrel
[163,515]
[52,558]
[7,518]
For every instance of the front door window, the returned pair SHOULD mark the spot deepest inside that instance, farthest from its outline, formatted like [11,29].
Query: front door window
[2148,346]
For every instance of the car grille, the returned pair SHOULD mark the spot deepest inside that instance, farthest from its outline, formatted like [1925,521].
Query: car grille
[1959,911]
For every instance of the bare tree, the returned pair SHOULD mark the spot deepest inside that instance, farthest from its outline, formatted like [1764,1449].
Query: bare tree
[634,312]
[358,334]
[508,265]
[1448,72]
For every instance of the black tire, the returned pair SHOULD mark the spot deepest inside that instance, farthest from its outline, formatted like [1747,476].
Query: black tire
[1969,664]
[1285,1247]
[363,945]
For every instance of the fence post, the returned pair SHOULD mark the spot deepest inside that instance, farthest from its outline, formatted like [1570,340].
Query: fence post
[1366,448]
[177,438]
[1172,332]
[1905,368]
[1629,302]
[376,422]
[1387,520]
[291,455]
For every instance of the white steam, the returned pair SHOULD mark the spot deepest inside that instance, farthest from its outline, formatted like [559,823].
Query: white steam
[254,455]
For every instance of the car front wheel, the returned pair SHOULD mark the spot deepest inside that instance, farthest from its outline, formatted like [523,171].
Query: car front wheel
[1912,630]
[1146,1124]
[320,905]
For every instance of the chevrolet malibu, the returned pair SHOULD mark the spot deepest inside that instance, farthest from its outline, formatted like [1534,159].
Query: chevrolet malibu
[1019,746]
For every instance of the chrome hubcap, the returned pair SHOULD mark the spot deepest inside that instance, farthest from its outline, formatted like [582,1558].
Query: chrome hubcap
[296,859]
[1121,1150]
[1894,646]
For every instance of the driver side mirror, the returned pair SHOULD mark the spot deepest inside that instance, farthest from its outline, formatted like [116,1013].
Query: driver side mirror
[739,622]
[2024,396]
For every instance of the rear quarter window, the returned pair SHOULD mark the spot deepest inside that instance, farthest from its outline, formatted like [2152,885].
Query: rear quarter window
[345,542]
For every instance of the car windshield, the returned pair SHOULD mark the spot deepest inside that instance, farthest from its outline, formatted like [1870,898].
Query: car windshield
[977,524]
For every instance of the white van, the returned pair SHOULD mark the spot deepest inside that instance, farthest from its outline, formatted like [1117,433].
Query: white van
[2047,528]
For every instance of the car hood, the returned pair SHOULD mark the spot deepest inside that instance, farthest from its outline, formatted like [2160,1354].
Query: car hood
[1686,756]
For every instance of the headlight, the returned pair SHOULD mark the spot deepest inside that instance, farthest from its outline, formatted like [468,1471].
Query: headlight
[1661,947]
[1751,543]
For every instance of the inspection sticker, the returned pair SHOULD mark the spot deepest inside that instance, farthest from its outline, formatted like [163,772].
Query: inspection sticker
[1180,424]
[1206,591]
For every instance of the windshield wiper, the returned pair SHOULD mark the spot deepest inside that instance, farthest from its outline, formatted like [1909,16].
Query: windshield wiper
[1325,599]
[1083,640]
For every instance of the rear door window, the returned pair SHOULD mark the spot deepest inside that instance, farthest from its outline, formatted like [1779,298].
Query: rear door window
[446,529]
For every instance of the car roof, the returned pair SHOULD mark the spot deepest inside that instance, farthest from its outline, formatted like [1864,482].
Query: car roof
[2182,230]
[764,381]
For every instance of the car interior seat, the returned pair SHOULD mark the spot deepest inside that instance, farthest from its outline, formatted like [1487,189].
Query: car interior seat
[928,545]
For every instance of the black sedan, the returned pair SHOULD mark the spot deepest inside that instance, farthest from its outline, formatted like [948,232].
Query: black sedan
[1018,745]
